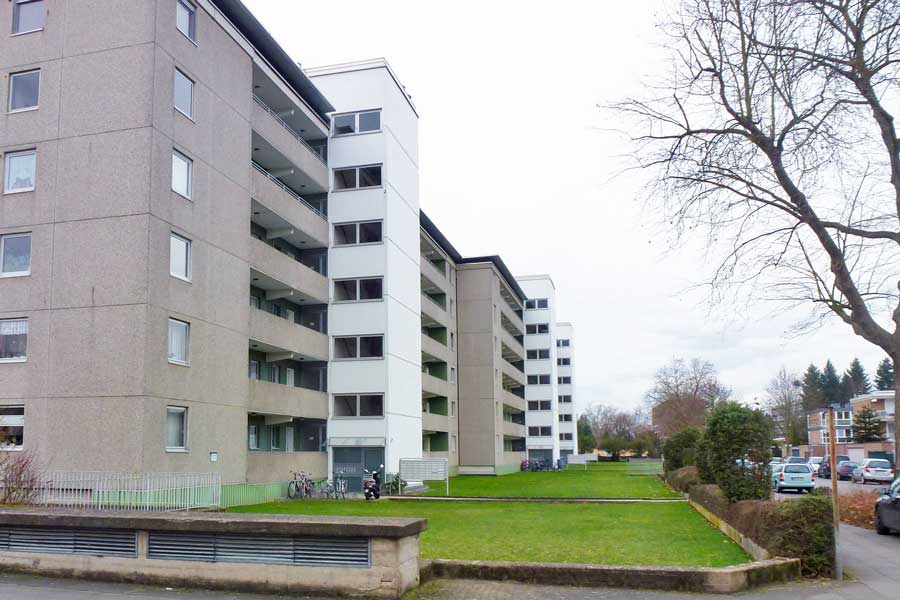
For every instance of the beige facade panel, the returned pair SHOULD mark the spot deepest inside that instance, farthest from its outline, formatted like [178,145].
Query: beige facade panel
[265,467]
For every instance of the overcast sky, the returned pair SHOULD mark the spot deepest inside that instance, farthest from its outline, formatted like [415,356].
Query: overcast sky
[516,159]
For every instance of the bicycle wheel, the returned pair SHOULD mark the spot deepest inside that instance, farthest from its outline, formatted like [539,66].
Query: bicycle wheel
[293,492]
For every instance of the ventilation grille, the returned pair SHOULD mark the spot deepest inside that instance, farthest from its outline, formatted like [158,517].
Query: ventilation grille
[344,552]
[61,540]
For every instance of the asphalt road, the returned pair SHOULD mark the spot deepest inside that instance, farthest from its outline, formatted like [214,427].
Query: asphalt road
[843,487]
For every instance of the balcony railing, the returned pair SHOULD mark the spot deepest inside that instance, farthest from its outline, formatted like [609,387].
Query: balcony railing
[280,121]
[289,191]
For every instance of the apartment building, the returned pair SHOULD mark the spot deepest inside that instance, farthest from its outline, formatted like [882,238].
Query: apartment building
[565,364]
[818,425]
[882,402]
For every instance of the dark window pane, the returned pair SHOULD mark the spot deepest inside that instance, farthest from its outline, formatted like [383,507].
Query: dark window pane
[345,347]
[370,176]
[28,16]
[344,124]
[371,405]
[345,406]
[370,232]
[15,254]
[13,339]
[345,290]
[344,179]
[345,234]
[24,90]
[371,346]
[370,121]
[370,289]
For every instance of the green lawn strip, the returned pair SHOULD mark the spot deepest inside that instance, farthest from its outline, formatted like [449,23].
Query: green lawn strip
[665,534]
[593,483]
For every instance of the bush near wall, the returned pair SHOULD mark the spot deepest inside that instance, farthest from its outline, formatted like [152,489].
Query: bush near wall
[682,479]
[679,449]
[858,508]
[800,528]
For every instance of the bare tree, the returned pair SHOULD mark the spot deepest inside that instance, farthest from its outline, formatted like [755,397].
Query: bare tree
[775,138]
[785,406]
[682,393]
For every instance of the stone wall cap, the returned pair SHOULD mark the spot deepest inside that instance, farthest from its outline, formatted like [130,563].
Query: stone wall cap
[216,522]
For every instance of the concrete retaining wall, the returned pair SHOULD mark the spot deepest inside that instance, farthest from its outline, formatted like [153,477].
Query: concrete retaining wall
[391,570]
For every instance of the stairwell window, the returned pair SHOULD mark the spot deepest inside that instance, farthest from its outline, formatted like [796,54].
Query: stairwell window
[358,290]
[539,354]
[358,405]
[176,429]
[28,16]
[24,90]
[536,303]
[179,342]
[353,178]
[563,380]
[537,328]
[182,174]
[354,347]
[13,340]
[360,122]
[538,380]
[19,168]
[15,255]
[186,18]
[184,94]
[179,257]
[351,234]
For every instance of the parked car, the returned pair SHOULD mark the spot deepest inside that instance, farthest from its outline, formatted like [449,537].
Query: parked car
[776,460]
[793,476]
[844,469]
[814,462]
[873,469]
[887,509]
[825,467]
[796,460]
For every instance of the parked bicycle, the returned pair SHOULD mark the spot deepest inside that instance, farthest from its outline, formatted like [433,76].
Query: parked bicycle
[300,486]
[340,486]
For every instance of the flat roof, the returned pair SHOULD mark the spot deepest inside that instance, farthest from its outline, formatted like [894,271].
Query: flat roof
[250,27]
[363,65]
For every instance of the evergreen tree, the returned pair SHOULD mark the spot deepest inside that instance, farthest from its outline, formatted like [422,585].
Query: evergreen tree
[859,379]
[587,442]
[847,387]
[811,389]
[884,376]
[866,427]
[831,385]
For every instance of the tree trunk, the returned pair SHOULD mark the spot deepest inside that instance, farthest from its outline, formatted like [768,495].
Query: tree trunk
[896,412]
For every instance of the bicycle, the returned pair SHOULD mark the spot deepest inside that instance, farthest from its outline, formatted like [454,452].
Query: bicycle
[300,486]
[340,486]
[326,489]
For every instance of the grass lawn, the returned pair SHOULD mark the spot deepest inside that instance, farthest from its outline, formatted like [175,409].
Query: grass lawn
[595,482]
[670,534]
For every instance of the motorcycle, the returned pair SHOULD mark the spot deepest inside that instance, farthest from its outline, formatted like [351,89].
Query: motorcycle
[372,485]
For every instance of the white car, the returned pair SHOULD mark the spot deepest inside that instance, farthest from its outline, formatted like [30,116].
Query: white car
[873,469]
[815,462]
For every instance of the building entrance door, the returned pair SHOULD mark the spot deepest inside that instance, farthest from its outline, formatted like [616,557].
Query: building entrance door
[354,461]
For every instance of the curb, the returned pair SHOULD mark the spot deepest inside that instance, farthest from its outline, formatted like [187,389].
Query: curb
[541,499]
[715,580]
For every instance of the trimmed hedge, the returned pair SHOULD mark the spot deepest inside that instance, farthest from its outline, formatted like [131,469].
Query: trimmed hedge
[683,478]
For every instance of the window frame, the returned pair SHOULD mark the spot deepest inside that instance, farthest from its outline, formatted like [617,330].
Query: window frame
[356,114]
[358,282]
[357,187]
[356,227]
[188,257]
[189,6]
[18,234]
[252,437]
[7,159]
[357,405]
[176,154]
[13,447]
[12,76]
[358,339]
[187,342]
[16,4]
[183,410]
[174,90]
[24,357]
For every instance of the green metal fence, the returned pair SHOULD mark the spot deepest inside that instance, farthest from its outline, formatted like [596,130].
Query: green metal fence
[242,494]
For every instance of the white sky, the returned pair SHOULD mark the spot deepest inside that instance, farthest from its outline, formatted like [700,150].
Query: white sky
[516,159]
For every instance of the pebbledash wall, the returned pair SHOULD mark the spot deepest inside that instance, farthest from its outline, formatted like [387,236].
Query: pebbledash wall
[212,261]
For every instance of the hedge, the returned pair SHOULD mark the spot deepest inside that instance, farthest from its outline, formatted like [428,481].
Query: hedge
[682,479]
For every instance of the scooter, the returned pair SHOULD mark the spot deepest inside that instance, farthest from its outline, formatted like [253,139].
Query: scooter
[372,485]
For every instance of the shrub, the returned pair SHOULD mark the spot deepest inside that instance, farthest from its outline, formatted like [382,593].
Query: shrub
[803,529]
[683,478]
[704,472]
[680,448]
[736,433]
[858,508]
[19,478]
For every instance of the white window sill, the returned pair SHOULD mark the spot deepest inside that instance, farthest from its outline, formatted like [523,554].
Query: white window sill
[188,38]
[359,189]
[21,191]
[179,363]
[185,115]
[359,244]
[177,450]
[357,301]
[15,274]
[21,110]
[360,418]
[355,133]
[18,33]
[13,360]
[180,278]
[359,358]
[179,194]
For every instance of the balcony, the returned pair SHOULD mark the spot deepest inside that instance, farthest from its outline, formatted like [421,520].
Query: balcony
[515,430]
[283,277]
[510,323]
[432,279]
[435,422]
[281,339]
[281,150]
[509,371]
[433,314]
[275,398]
[435,386]
[434,349]
[276,207]
[512,400]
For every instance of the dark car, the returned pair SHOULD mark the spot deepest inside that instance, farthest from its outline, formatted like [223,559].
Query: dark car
[887,509]
[825,467]
[845,469]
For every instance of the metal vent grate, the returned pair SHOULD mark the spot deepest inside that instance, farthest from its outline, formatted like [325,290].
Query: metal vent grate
[62,540]
[346,552]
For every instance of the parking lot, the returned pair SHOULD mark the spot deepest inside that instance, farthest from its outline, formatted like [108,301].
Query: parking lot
[843,487]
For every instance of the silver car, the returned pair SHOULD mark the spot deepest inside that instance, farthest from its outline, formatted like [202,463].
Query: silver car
[873,469]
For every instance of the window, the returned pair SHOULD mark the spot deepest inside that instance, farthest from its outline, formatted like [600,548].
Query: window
[184,94]
[186,18]
[565,437]
[28,16]
[452,375]
[353,178]
[176,428]
[563,361]
[179,334]
[12,427]
[538,380]
[253,370]
[538,354]
[453,408]
[276,437]
[563,380]
[359,405]
[13,340]
[367,346]
[565,418]
[452,442]
[564,398]
[253,437]
[537,328]
[15,255]
[20,171]
[358,290]
[24,89]
[349,234]
[540,431]
[562,343]
[538,405]
[452,340]
[361,122]
[179,257]
[536,303]
[182,174]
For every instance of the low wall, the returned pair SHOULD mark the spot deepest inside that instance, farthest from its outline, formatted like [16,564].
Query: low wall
[283,554]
